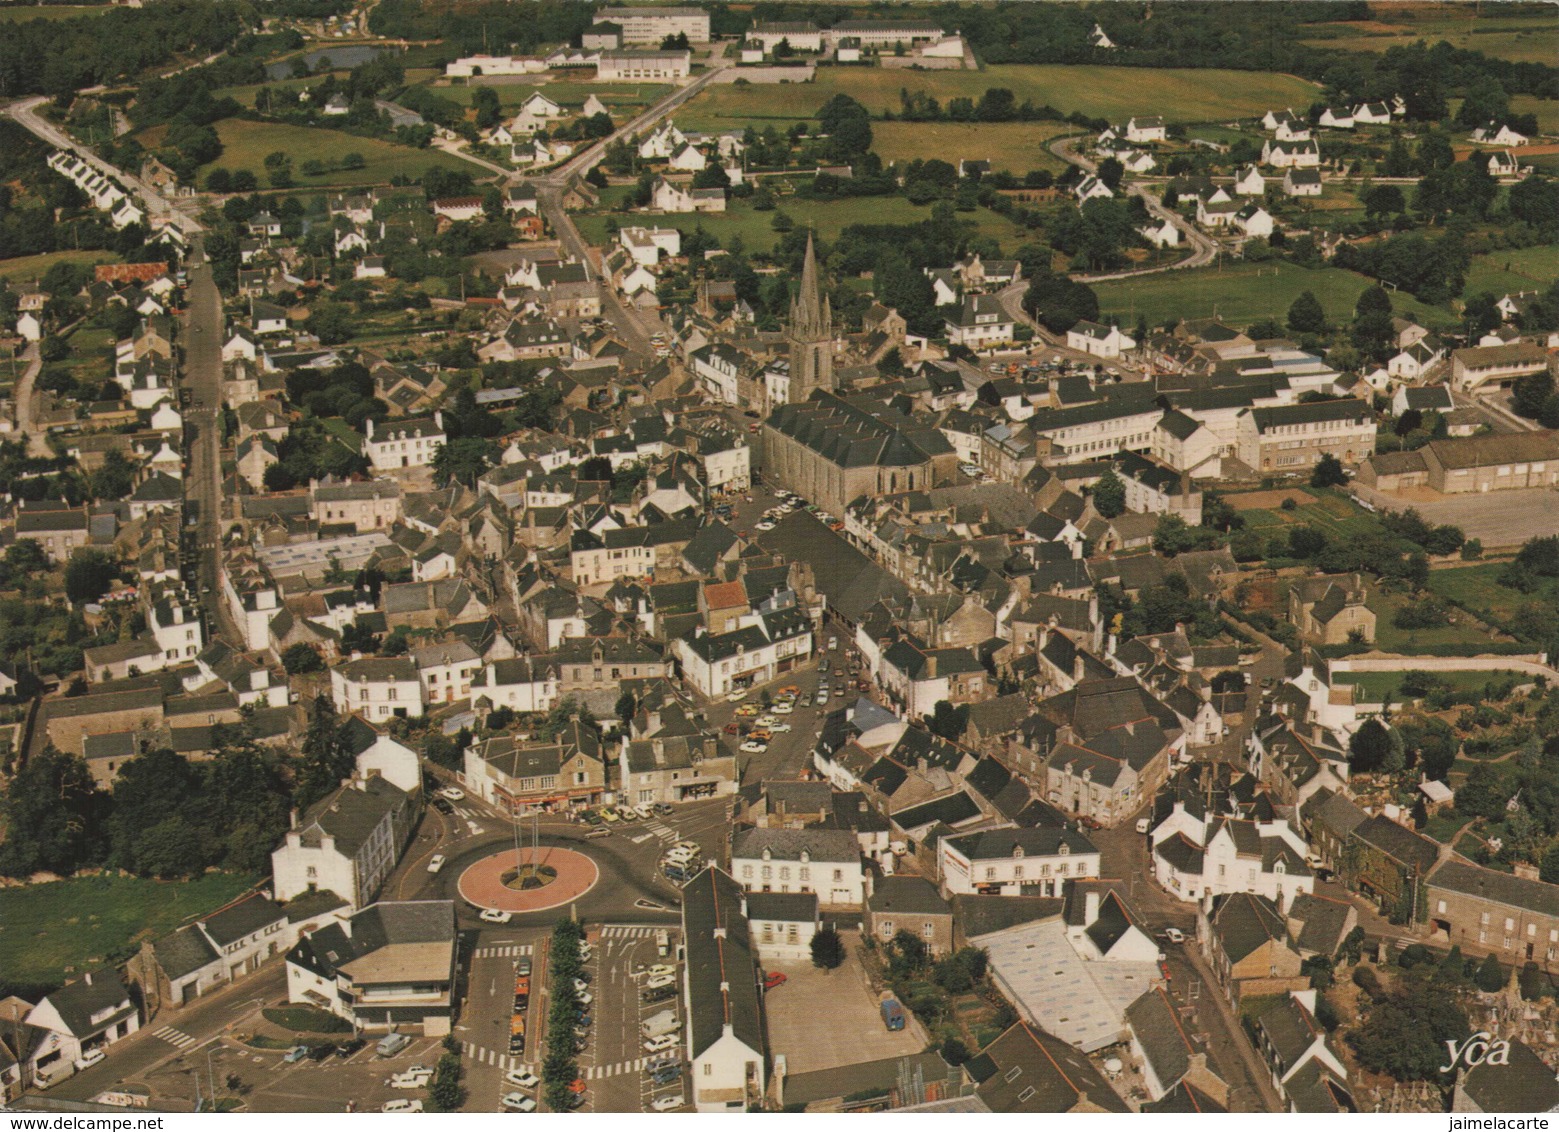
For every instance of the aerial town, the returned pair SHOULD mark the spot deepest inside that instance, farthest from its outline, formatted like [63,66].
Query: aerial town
[560,557]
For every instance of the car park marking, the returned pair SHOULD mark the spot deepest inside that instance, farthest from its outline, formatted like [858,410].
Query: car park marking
[511,951]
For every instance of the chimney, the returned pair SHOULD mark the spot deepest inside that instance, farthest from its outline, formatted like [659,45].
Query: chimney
[1077,667]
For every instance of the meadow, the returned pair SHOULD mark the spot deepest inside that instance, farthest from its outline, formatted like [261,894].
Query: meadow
[1528,38]
[28,269]
[245,145]
[1239,293]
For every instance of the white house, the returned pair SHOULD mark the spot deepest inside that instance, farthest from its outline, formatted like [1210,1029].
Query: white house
[1302,182]
[1161,234]
[177,630]
[1504,164]
[347,843]
[1336,118]
[1409,364]
[980,322]
[409,442]
[1100,341]
[1266,858]
[1250,182]
[1015,862]
[689,159]
[668,197]
[647,245]
[89,1014]
[761,647]
[446,670]
[380,753]
[1140,131]
[377,688]
[1497,133]
[723,1029]
[826,862]
[1253,220]
[458,209]
[521,684]
[1291,155]
[1089,188]
[1372,114]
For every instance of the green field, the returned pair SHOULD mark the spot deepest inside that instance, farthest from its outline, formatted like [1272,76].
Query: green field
[15,13]
[1546,109]
[1329,512]
[1522,39]
[1182,95]
[1477,588]
[1389,638]
[245,145]
[49,932]
[1238,293]
[1014,146]
[1376,686]
[29,268]
[827,217]
[569,95]
[1523,269]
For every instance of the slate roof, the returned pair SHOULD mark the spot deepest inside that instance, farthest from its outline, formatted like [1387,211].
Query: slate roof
[1163,1039]
[1041,841]
[351,815]
[1524,1084]
[907,895]
[983,915]
[721,982]
[789,844]
[783,907]
[1324,922]
[91,994]
[241,918]
[183,953]
[1243,922]
[1029,1070]
[1501,888]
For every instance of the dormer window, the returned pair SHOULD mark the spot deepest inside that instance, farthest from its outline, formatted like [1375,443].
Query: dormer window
[1064,849]
[805,856]
[767,856]
[1017,851]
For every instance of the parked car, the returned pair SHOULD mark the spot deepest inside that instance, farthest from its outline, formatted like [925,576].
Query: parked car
[321,1052]
[453,793]
[436,862]
[495,916]
[347,1049]
[659,994]
[91,1057]
[522,1079]
[645,811]
[753,747]
[519,1102]
[667,1103]
[737,696]
[1173,935]
[663,809]
[660,981]
[597,834]
[294,1055]
[774,979]
[664,1042]
[666,1074]
[442,806]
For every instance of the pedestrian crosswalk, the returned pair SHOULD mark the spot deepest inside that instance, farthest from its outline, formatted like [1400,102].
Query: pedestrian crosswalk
[492,1057]
[626,931]
[600,1072]
[664,832]
[175,1037]
[503,951]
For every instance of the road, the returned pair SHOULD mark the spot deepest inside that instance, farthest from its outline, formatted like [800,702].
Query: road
[26,400]
[25,114]
[1203,249]
[202,379]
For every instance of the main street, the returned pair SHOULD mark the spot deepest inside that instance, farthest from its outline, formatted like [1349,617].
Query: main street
[202,380]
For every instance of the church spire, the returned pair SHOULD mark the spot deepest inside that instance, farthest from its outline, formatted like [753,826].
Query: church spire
[810,333]
[810,316]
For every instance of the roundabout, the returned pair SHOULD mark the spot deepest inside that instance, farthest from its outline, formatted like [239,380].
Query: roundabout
[528,880]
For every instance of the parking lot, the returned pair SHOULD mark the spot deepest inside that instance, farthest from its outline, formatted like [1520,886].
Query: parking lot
[263,1080]
[616,1067]
[849,1032]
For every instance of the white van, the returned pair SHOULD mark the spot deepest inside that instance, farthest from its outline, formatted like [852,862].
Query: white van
[392,1044]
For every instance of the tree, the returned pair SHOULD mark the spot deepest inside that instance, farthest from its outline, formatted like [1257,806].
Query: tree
[1305,316]
[1530,393]
[954,1052]
[300,658]
[53,816]
[1109,495]
[1111,171]
[827,949]
[908,953]
[1403,1034]
[626,707]
[948,721]
[114,478]
[488,107]
[1490,976]
[1328,472]
[169,850]
[89,575]
[1384,200]
[1374,299]
[1373,748]
[463,460]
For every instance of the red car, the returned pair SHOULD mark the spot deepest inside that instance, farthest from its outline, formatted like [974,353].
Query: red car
[1163,969]
[773,979]
[732,729]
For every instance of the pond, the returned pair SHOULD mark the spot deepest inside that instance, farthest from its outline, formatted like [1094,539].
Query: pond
[342,57]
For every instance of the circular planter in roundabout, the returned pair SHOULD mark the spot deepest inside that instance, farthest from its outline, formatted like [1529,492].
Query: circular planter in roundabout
[528,880]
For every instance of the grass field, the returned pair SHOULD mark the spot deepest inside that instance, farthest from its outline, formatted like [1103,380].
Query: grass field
[1014,146]
[570,96]
[1239,293]
[1522,39]
[28,268]
[51,931]
[828,218]
[1376,686]
[15,13]
[245,145]
[1113,92]
[1477,588]
[1330,512]
[1546,109]
[1523,269]
[1409,641]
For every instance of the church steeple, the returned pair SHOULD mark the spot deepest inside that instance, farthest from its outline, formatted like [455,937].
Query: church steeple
[810,333]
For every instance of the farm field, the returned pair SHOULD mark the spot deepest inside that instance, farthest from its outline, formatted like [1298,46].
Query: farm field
[1326,511]
[51,931]
[1112,92]
[1239,293]
[827,217]
[1520,269]
[29,268]
[1014,146]
[1523,39]
[16,13]
[245,145]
